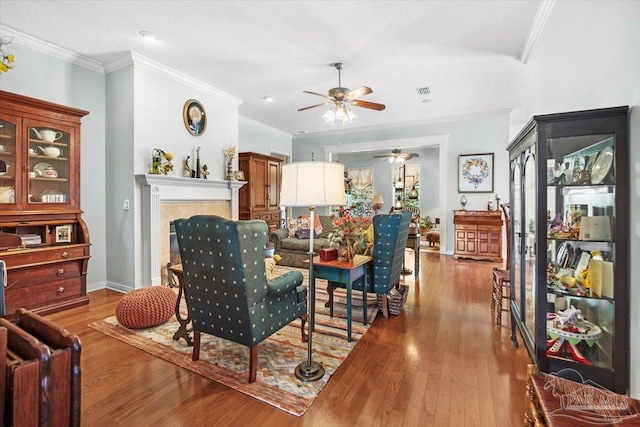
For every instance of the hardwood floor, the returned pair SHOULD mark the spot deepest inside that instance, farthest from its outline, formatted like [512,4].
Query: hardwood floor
[442,362]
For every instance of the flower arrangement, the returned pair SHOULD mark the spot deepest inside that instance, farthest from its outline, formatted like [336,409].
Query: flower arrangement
[230,152]
[160,162]
[6,58]
[350,235]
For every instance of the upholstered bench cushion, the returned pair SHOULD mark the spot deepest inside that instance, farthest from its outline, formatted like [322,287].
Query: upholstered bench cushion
[146,307]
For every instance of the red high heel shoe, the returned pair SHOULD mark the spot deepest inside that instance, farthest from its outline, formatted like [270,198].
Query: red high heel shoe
[578,355]
[555,349]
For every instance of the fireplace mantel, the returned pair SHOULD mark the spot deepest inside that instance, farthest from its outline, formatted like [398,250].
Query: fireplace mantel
[164,188]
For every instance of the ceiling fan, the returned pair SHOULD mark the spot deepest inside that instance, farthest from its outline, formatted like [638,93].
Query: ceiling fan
[341,97]
[397,156]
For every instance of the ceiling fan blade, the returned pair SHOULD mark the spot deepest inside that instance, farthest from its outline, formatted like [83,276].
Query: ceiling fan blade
[383,157]
[357,93]
[367,104]
[314,106]
[409,156]
[315,93]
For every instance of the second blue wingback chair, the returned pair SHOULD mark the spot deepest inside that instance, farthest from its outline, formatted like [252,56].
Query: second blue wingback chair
[390,233]
[227,290]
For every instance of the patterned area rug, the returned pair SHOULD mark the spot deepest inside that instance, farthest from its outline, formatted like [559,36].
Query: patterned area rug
[228,363]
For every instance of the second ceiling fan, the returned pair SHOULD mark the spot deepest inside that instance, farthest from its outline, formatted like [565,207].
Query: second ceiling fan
[341,97]
[397,156]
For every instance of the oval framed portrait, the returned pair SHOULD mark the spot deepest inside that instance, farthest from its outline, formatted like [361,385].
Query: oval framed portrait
[194,116]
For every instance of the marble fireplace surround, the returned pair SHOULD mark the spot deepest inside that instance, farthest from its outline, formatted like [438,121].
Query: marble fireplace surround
[165,198]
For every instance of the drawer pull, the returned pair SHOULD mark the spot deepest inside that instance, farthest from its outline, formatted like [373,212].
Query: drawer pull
[64,254]
[60,289]
[60,271]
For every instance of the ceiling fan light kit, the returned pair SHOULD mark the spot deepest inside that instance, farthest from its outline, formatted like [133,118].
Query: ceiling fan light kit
[341,98]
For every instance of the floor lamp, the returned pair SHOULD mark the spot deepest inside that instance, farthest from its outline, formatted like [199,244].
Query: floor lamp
[311,184]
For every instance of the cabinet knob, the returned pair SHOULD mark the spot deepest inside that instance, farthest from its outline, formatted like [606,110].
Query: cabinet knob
[60,290]
[64,254]
[60,271]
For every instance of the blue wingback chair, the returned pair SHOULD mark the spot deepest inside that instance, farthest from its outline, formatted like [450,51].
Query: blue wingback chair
[390,233]
[228,294]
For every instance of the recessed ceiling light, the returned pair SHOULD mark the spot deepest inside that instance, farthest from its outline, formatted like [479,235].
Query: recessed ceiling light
[268,99]
[426,101]
[148,36]
[302,132]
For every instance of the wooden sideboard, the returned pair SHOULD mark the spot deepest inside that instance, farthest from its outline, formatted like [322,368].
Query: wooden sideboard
[478,235]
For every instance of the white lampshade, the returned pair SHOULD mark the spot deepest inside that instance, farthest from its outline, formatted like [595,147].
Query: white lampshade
[312,184]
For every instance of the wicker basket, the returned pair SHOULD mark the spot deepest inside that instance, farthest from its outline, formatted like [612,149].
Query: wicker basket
[395,302]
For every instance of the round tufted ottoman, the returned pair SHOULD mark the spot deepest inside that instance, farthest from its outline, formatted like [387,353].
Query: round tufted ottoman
[146,307]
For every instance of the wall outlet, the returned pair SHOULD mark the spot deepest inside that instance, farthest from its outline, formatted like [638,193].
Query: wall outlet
[125,204]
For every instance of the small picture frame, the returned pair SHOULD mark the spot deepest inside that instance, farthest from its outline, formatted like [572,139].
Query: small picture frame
[475,173]
[239,175]
[194,117]
[63,234]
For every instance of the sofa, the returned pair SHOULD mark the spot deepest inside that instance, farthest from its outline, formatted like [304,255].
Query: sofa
[293,250]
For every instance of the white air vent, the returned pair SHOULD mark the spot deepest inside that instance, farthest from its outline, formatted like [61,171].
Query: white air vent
[424,90]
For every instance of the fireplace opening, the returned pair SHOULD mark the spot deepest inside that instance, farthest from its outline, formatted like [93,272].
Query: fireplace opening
[174,255]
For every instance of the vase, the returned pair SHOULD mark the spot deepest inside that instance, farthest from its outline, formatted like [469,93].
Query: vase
[345,252]
[230,176]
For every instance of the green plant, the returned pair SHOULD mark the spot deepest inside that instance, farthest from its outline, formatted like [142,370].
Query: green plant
[426,222]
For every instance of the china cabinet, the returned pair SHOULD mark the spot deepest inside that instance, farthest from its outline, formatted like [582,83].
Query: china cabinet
[40,203]
[569,179]
[261,198]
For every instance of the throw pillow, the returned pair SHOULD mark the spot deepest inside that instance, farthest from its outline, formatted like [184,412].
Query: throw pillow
[317,225]
[305,233]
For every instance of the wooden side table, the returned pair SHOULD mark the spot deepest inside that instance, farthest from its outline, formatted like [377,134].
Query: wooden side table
[183,331]
[344,272]
[413,242]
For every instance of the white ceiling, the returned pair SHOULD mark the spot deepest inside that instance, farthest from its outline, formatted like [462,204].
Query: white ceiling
[469,53]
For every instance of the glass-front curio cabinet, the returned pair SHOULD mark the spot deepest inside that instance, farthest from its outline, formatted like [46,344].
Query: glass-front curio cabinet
[570,244]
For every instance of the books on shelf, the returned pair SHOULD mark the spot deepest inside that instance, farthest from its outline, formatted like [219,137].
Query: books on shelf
[31,239]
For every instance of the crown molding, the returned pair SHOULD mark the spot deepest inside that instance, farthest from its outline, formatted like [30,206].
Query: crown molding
[133,58]
[396,125]
[263,126]
[544,10]
[50,49]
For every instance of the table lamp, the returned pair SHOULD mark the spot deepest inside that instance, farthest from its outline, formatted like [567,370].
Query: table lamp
[311,184]
[376,203]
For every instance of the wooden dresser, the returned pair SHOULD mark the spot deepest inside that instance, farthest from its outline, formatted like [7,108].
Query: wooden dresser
[40,201]
[260,198]
[552,401]
[478,235]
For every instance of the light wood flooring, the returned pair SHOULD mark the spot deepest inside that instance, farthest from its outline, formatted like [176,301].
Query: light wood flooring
[442,362]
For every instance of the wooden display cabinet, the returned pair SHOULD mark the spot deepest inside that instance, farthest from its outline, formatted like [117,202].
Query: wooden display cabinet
[260,199]
[478,235]
[40,202]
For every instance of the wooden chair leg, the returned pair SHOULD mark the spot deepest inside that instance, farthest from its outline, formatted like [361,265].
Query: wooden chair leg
[385,307]
[499,303]
[253,364]
[304,318]
[494,290]
[196,346]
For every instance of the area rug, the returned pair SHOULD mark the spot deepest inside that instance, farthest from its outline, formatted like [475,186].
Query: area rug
[228,363]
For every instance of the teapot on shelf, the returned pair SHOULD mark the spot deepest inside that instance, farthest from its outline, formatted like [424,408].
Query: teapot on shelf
[47,135]
[50,151]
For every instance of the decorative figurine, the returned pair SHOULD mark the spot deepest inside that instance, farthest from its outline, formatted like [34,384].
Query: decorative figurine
[160,162]
[188,172]
[463,202]
[205,172]
[198,162]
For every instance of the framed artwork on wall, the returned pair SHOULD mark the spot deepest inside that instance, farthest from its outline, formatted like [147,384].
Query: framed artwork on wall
[475,173]
[63,234]
[195,119]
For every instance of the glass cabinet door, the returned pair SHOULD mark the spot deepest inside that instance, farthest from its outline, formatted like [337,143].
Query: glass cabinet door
[8,160]
[529,237]
[49,168]
[581,255]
